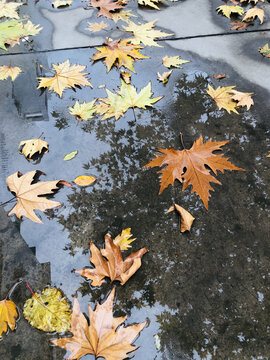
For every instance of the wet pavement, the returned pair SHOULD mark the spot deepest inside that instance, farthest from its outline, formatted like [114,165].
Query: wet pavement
[205,293]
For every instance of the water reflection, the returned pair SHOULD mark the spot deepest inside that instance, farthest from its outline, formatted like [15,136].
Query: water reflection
[213,280]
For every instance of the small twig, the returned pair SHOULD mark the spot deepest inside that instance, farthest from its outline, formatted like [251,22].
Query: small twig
[182,142]
[13,288]
[43,67]
[41,135]
[134,114]
[8,201]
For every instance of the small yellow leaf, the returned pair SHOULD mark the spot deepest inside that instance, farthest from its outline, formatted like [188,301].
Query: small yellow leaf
[126,76]
[83,111]
[151,3]
[186,218]
[123,240]
[30,147]
[164,77]
[95,27]
[6,71]
[8,316]
[252,13]
[59,3]
[48,311]
[84,180]
[173,61]
[265,50]
[227,10]
[71,155]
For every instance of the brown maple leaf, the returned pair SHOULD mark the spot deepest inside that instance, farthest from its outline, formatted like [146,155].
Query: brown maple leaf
[105,6]
[105,337]
[239,25]
[29,194]
[109,262]
[189,167]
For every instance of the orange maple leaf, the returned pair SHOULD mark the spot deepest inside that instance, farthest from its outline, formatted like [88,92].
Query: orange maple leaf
[105,336]
[189,167]
[113,266]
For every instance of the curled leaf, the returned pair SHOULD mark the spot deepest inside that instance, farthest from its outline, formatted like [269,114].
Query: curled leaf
[84,180]
[30,147]
[186,218]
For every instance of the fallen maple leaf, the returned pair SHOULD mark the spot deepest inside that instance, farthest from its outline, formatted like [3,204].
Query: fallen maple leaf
[28,194]
[151,3]
[105,7]
[108,262]
[9,9]
[227,10]
[243,99]
[123,15]
[48,311]
[116,104]
[119,52]
[95,27]
[105,337]
[239,25]
[83,111]
[164,77]
[11,31]
[189,167]
[65,76]
[219,76]
[173,61]
[59,3]
[30,147]
[186,218]
[255,1]
[126,76]
[123,240]
[8,316]
[252,13]
[265,50]
[6,71]
[144,33]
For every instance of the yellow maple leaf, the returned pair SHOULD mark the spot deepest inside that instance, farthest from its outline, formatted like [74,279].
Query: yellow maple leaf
[6,71]
[95,27]
[123,240]
[119,53]
[123,15]
[227,10]
[164,77]
[265,50]
[151,3]
[252,13]
[30,147]
[173,61]
[59,3]
[8,316]
[116,104]
[83,111]
[144,33]
[243,99]
[65,76]
[223,98]
[9,9]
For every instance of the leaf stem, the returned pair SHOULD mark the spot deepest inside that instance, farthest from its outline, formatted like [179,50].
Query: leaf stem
[134,114]
[43,67]
[12,288]
[182,142]
[41,135]
[8,201]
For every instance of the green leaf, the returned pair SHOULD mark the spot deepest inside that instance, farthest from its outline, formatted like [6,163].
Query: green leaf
[71,155]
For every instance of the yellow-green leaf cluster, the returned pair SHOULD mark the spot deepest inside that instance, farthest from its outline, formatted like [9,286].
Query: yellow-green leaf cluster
[48,311]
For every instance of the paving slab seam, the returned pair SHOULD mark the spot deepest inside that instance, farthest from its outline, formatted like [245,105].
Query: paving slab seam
[166,39]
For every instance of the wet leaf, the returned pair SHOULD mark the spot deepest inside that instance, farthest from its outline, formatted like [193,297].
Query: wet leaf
[71,155]
[255,1]
[48,311]
[116,104]
[126,76]
[30,147]
[243,99]
[151,3]
[144,33]
[105,7]
[239,25]
[8,316]
[108,262]
[119,53]
[227,10]
[186,218]
[95,27]
[9,9]
[157,338]
[59,3]
[29,195]
[123,240]
[84,180]
[164,77]
[189,167]
[252,13]
[83,111]
[105,337]
[6,71]
[123,15]
[265,50]
[173,61]
[219,76]
[65,76]
[11,31]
